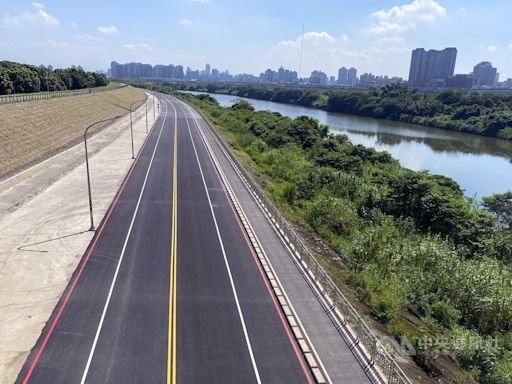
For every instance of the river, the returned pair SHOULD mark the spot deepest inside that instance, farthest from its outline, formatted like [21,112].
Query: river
[481,165]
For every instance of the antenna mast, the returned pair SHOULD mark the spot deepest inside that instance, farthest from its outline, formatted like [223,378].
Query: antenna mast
[301,47]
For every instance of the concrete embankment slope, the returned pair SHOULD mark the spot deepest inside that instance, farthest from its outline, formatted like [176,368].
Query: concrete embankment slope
[34,130]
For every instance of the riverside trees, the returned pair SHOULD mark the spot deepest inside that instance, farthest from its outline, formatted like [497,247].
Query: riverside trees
[484,114]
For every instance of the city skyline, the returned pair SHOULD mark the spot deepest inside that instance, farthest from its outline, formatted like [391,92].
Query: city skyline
[430,69]
[374,37]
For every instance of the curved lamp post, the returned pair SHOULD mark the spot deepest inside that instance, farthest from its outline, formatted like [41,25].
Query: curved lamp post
[154,118]
[87,166]
[131,122]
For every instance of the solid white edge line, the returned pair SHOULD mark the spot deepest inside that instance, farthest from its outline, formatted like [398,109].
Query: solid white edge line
[235,294]
[109,296]
[287,248]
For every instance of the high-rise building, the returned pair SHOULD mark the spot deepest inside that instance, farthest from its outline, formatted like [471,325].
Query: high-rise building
[485,74]
[318,78]
[208,70]
[115,70]
[352,77]
[343,76]
[463,81]
[431,66]
[281,76]
[178,72]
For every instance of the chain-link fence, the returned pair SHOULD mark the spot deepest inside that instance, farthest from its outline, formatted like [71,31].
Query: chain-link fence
[20,97]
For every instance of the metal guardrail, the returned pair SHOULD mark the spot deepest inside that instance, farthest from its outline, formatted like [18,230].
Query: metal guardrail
[356,329]
[20,97]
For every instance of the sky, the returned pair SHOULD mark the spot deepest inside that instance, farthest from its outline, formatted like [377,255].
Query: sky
[249,36]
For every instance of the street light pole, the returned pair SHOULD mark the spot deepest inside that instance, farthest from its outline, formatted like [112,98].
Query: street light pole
[87,167]
[146,102]
[131,122]
[131,132]
[154,118]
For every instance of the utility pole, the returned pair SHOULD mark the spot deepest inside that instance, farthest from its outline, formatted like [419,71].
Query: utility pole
[301,48]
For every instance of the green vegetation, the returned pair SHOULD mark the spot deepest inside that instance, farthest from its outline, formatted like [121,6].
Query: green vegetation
[24,78]
[409,242]
[482,114]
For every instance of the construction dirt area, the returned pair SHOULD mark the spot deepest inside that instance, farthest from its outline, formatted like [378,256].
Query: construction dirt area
[33,130]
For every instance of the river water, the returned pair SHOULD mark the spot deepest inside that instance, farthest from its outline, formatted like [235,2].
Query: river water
[481,165]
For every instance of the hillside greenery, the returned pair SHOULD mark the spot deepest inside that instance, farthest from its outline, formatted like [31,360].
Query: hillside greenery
[24,78]
[484,114]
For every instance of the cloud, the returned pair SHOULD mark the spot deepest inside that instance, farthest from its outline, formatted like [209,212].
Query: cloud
[390,40]
[108,30]
[387,27]
[404,18]
[509,46]
[328,53]
[186,22]
[37,18]
[311,40]
[139,45]
[73,24]
[87,36]
[461,11]
[39,5]
[320,49]
[206,2]
[492,48]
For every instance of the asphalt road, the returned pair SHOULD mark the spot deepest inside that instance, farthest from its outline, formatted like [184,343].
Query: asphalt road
[168,290]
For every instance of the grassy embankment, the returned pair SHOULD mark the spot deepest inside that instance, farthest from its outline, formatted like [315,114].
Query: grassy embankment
[33,130]
[409,244]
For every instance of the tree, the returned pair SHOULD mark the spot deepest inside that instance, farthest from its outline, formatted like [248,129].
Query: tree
[242,104]
[6,85]
[501,205]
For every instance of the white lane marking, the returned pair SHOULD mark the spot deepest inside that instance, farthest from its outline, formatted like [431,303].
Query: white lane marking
[226,262]
[99,134]
[301,326]
[105,308]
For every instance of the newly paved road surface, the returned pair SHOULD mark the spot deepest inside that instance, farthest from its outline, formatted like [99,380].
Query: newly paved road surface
[169,290]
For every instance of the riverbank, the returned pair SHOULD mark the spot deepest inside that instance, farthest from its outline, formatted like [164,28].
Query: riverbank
[481,165]
[480,114]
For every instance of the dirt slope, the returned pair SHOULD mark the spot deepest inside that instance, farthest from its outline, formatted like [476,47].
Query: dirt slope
[31,131]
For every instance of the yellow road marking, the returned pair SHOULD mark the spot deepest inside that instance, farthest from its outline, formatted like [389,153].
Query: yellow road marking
[171,342]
